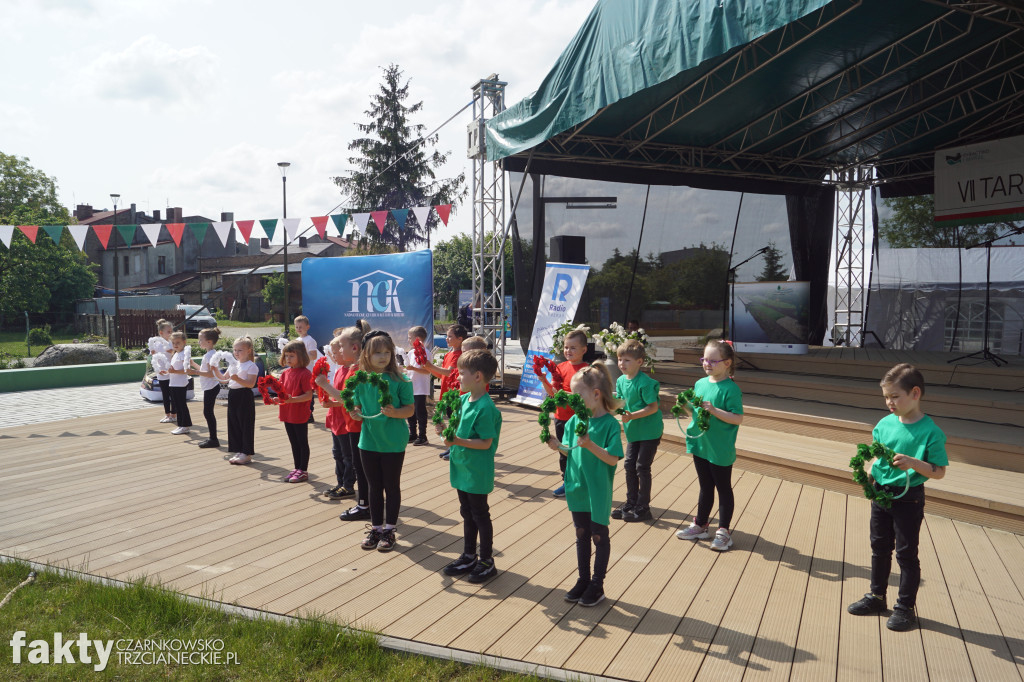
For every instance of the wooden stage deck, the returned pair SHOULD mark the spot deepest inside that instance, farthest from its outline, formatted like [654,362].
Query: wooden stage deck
[118,496]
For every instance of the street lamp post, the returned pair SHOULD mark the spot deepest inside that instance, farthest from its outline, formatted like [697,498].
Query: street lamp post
[117,288]
[283,165]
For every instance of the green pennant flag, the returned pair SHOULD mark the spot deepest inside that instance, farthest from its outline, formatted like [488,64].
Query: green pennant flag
[339,222]
[127,233]
[55,231]
[269,226]
[199,230]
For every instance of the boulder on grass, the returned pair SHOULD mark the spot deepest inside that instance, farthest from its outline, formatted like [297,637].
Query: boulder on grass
[74,354]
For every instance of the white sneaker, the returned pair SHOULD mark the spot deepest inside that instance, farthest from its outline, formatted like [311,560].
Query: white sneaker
[722,541]
[180,430]
[167,420]
[240,458]
[694,532]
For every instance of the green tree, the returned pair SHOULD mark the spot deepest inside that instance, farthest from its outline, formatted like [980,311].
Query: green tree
[453,268]
[394,167]
[273,291]
[773,269]
[912,224]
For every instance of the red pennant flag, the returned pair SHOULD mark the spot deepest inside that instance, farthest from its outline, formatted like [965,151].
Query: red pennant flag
[245,227]
[176,230]
[443,210]
[381,218]
[103,233]
[320,223]
[30,231]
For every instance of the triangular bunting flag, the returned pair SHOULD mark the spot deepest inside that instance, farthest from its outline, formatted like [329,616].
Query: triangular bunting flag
[54,232]
[152,232]
[223,230]
[127,233]
[269,227]
[422,214]
[339,222]
[443,210]
[361,220]
[291,227]
[199,230]
[30,231]
[320,223]
[79,233]
[102,233]
[381,218]
[176,230]
[6,232]
[245,228]
[401,215]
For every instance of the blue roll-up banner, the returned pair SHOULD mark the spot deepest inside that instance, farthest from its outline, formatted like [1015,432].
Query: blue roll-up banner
[393,292]
[563,286]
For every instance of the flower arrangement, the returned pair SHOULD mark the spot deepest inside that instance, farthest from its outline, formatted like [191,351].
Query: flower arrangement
[615,335]
[558,338]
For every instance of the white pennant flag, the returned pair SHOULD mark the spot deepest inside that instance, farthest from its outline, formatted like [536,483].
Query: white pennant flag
[6,233]
[257,231]
[152,231]
[223,229]
[79,233]
[291,227]
[422,214]
[360,221]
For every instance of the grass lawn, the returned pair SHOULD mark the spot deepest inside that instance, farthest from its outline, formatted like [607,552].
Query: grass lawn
[13,343]
[314,649]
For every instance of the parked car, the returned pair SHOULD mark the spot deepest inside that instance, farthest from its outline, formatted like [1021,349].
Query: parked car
[202,319]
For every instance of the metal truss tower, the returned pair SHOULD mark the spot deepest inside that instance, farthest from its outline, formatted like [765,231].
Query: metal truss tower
[852,186]
[490,232]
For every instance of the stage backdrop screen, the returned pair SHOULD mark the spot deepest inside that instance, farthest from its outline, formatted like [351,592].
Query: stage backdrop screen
[771,317]
[393,292]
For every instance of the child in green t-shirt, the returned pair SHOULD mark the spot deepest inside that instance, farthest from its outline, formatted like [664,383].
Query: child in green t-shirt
[471,464]
[643,425]
[590,468]
[920,448]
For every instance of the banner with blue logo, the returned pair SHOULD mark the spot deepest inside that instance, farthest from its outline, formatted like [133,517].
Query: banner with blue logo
[393,292]
[563,286]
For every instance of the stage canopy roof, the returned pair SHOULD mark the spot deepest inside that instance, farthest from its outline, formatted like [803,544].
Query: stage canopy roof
[770,96]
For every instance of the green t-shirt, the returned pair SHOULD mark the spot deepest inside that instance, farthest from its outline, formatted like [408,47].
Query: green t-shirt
[383,434]
[588,480]
[718,444]
[638,393]
[922,440]
[472,471]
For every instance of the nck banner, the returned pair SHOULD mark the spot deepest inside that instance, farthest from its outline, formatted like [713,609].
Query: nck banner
[980,183]
[392,292]
[563,286]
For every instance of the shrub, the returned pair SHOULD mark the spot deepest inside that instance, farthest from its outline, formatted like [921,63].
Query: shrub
[40,336]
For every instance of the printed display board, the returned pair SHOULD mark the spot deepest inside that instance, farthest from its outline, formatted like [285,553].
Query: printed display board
[980,183]
[770,317]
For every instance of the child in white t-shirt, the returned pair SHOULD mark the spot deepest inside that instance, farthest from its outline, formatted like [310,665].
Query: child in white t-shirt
[420,388]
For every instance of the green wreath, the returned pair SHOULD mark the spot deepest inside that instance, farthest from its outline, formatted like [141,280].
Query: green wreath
[563,399]
[696,403]
[866,453]
[364,377]
[448,406]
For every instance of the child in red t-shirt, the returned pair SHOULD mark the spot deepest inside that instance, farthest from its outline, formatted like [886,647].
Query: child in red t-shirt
[297,382]
[448,371]
[574,347]
[344,351]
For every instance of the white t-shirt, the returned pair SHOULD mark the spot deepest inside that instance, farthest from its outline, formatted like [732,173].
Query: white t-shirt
[246,370]
[420,382]
[180,360]
[311,348]
[211,382]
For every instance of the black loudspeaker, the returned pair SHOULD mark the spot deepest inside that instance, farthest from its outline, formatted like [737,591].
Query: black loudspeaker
[566,249]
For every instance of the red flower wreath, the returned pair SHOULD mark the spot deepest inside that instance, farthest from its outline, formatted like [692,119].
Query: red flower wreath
[268,383]
[322,367]
[540,363]
[419,352]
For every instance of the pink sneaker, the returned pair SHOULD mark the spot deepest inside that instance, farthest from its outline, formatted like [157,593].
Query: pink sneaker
[297,476]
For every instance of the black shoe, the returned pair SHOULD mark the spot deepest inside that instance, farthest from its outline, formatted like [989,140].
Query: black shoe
[637,514]
[412,437]
[387,540]
[356,513]
[901,620]
[867,605]
[210,443]
[422,440]
[461,566]
[444,455]
[483,571]
[577,590]
[594,594]
[621,509]
[373,538]
[338,492]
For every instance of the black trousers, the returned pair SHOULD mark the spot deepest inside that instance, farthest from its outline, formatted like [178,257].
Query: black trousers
[180,401]
[362,485]
[344,468]
[639,456]
[476,521]
[562,458]
[586,532]
[298,438]
[241,421]
[165,395]
[384,475]
[713,477]
[897,528]
[419,416]
[209,401]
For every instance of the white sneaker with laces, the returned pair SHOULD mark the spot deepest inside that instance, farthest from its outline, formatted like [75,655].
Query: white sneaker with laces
[722,541]
[166,420]
[240,458]
[694,532]
[179,431]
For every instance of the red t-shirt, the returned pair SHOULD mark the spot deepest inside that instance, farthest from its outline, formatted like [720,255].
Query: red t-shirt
[345,423]
[566,370]
[295,382]
[451,359]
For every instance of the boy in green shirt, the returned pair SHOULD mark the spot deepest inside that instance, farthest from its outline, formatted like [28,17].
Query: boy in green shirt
[471,464]
[643,425]
[920,448]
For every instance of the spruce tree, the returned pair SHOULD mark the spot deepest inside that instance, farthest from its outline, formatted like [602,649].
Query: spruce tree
[773,270]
